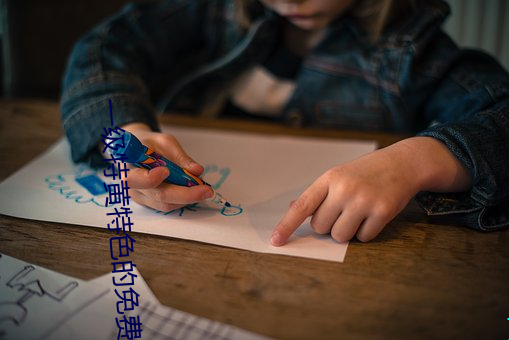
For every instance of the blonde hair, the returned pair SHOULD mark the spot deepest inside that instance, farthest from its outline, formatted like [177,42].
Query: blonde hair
[373,15]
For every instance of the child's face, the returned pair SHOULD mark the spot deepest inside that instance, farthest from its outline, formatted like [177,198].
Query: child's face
[309,14]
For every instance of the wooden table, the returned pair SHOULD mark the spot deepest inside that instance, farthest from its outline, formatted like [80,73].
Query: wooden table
[417,280]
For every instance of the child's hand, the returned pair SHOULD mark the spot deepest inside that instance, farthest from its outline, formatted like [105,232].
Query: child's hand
[147,187]
[360,197]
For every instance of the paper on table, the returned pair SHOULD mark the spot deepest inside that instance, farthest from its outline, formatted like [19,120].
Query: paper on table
[32,297]
[36,303]
[261,174]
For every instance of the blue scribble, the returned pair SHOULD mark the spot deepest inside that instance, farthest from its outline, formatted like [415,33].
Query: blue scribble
[59,184]
[233,210]
[223,172]
[180,211]
[68,186]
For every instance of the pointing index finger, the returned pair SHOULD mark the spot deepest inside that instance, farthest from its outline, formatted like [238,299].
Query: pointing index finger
[299,210]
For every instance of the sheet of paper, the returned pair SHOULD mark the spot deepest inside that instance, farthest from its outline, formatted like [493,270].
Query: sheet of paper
[36,303]
[260,174]
[32,297]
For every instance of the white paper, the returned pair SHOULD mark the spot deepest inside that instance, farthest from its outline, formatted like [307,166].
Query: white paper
[36,303]
[261,174]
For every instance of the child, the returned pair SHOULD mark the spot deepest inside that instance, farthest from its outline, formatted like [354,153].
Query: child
[378,65]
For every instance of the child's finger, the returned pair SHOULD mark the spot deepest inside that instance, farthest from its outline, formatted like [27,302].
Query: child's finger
[299,210]
[327,214]
[146,200]
[140,178]
[347,224]
[174,152]
[371,228]
[175,194]
[170,197]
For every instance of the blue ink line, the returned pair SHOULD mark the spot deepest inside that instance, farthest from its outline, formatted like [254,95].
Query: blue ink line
[224,173]
[233,210]
[67,191]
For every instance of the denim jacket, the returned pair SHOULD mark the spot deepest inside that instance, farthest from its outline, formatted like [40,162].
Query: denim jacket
[414,79]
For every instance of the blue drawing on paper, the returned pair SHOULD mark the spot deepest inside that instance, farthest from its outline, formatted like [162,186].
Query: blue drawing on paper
[180,211]
[86,186]
[233,210]
[215,176]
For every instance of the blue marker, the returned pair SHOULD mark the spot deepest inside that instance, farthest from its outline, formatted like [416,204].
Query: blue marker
[140,155]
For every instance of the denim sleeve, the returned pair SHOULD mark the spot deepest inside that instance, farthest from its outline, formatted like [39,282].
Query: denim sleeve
[468,107]
[481,143]
[121,60]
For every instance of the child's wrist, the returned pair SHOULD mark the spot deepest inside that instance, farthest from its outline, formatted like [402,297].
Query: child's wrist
[432,166]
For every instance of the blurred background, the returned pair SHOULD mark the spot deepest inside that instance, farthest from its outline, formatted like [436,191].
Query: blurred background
[36,37]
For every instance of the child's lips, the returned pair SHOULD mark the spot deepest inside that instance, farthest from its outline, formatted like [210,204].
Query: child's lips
[299,16]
